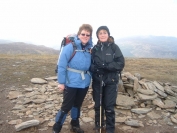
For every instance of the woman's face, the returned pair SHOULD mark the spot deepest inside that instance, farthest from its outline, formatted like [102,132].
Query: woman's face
[84,36]
[103,35]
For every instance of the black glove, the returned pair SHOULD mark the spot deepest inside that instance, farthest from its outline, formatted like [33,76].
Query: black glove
[96,69]
[99,71]
[102,65]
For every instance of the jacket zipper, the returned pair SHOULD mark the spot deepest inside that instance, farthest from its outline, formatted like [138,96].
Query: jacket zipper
[102,52]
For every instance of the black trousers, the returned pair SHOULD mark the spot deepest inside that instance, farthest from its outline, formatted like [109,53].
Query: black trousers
[73,97]
[109,96]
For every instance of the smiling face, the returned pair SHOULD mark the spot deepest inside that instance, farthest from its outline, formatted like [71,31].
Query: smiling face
[84,36]
[103,35]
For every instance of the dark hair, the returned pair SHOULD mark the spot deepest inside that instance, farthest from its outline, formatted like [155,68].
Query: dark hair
[110,40]
[86,27]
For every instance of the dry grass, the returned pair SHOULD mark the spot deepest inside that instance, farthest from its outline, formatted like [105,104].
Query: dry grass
[29,66]
[19,69]
[163,70]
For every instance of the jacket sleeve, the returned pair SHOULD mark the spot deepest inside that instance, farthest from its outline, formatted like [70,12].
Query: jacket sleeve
[118,62]
[63,63]
[92,66]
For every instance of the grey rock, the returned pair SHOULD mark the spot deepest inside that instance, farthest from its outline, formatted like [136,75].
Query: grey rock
[151,86]
[125,101]
[130,79]
[146,92]
[158,86]
[158,102]
[39,100]
[120,119]
[134,123]
[44,101]
[146,97]
[87,119]
[138,76]
[26,124]
[28,89]
[153,115]
[38,81]
[174,88]
[51,78]
[141,110]
[129,86]
[14,94]
[169,104]
[18,107]
[169,91]
[136,84]
[161,93]
[174,99]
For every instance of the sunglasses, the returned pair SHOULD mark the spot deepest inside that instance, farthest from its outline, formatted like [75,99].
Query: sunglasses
[85,35]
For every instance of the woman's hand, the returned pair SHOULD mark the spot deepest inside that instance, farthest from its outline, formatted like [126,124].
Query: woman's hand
[61,87]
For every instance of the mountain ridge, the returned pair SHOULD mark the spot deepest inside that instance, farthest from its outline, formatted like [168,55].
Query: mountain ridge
[24,48]
[148,46]
[135,47]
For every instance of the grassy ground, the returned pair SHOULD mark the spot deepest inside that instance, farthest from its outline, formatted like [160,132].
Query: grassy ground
[17,70]
[163,70]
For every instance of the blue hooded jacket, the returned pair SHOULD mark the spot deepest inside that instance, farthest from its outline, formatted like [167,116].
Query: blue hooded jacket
[80,61]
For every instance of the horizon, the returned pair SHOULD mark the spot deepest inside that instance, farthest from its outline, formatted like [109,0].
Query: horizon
[137,46]
[2,41]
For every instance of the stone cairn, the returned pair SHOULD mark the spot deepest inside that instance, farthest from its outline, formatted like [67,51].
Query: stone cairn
[140,101]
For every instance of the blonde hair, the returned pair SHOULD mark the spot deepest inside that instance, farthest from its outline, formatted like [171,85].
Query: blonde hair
[86,27]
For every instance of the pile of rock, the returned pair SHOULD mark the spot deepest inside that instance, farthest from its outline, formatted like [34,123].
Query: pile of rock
[138,99]
[145,98]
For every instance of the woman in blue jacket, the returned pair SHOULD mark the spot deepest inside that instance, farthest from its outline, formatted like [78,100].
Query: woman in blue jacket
[74,78]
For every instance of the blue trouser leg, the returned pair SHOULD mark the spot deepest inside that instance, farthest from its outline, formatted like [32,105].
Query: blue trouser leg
[75,113]
[72,100]
[60,117]
[75,110]
[59,120]
[73,97]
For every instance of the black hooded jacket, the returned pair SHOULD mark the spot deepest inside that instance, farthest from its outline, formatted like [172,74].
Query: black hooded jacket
[108,57]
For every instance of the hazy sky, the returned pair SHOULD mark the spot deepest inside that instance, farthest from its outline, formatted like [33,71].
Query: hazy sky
[46,22]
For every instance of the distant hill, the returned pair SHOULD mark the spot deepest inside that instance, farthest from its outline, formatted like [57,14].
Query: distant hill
[24,48]
[138,46]
[4,41]
[148,46]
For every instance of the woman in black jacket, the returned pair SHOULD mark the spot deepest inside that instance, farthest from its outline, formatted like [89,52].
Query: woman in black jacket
[107,63]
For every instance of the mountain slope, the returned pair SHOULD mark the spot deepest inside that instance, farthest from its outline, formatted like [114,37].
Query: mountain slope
[23,48]
[149,46]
